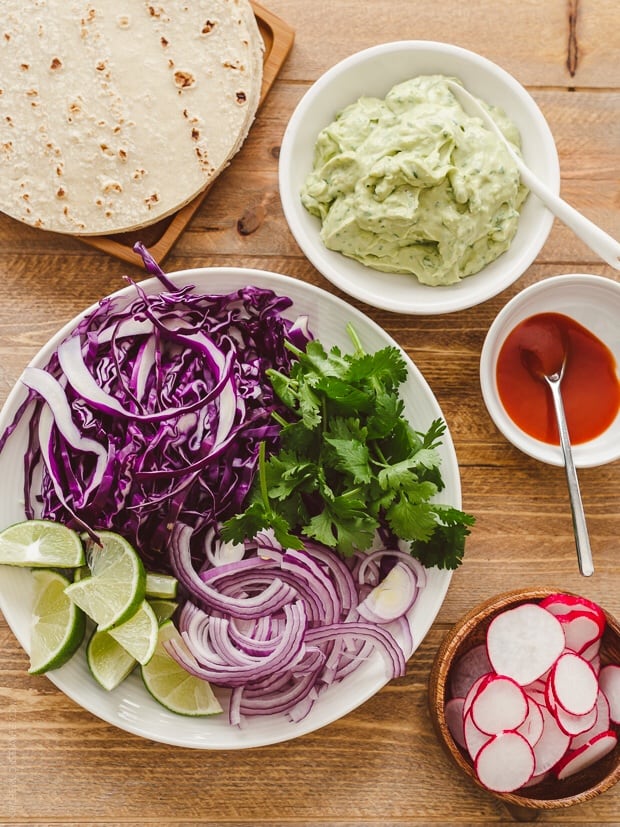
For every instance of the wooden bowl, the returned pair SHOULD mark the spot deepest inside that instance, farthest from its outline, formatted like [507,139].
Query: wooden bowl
[470,631]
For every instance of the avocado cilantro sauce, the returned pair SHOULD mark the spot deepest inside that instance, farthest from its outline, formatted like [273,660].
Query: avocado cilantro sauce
[412,184]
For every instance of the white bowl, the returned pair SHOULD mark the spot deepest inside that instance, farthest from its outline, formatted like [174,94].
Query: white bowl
[592,301]
[373,72]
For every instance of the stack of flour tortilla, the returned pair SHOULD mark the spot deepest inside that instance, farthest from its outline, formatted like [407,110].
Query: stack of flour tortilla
[116,113]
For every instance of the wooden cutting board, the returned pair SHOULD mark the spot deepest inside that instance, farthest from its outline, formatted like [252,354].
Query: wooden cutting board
[160,237]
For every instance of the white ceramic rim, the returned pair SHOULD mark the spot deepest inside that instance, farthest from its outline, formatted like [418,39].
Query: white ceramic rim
[129,707]
[387,291]
[591,300]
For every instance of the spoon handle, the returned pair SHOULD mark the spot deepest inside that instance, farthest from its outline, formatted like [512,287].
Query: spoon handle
[597,239]
[582,540]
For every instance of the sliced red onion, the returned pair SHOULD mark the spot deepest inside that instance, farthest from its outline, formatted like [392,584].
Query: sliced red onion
[393,597]
[281,661]
[274,597]
[392,554]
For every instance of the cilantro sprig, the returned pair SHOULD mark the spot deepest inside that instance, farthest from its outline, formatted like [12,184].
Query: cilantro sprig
[349,462]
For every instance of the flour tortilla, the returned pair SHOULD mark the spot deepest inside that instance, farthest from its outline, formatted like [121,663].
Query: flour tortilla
[116,113]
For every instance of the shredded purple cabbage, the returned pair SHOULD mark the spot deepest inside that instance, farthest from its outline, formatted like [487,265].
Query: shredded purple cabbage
[152,412]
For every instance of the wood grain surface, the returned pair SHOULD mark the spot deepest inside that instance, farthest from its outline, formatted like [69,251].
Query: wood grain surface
[381,764]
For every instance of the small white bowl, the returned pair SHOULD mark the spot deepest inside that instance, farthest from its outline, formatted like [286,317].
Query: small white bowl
[592,301]
[373,72]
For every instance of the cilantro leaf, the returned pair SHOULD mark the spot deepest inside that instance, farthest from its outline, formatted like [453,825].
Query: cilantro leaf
[255,518]
[411,520]
[385,366]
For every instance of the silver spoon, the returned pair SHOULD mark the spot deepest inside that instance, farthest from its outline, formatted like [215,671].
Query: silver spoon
[582,541]
[597,239]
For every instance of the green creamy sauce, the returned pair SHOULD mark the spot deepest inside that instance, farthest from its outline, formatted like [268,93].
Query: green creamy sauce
[412,184]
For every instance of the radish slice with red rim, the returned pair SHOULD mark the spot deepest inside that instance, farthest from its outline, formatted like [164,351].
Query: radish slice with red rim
[581,630]
[602,723]
[609,681]
[563,604]
[551,745]
[536,691]
[536,779]
[592,654]
[574,684]
[575,724]
[473,691]
[588,754]
[523,643]
[505,763]
[499,705]
[475,739]
[532,727]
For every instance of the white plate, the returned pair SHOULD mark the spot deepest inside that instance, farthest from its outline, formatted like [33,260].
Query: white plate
[373,72]
[129,706]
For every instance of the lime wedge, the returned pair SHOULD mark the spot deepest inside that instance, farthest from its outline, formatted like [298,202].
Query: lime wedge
[164,609]
[138,635]
[108,661]
[161,585]
[57,625]
[41,544]
[80,573]
[171,685]
[116,587]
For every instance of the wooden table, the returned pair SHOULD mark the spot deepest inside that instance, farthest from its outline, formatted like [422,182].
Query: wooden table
[380,764]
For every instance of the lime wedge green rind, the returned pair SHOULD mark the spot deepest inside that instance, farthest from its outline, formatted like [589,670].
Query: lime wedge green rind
[164,586]
[171,685]
[138,635]
[108,661]
[41,544]
[164,609]
[57,625]
[117,585]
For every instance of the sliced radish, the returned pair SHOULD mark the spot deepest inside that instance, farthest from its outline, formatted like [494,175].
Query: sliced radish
[602,723]
[499,705]
[586,755]
[574,684]
[592,651]
[536,691]
[474,689]
[576,724]
[595,663]
[562,604]
[468,668]
[523,643]
[454,720]
[551,745]
[532,727]
[536,779]
[609,681]
[581,630]
[475,739]
[505,763]
[550,700]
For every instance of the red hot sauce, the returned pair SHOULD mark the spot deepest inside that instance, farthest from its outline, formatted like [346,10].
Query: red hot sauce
[590,385]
